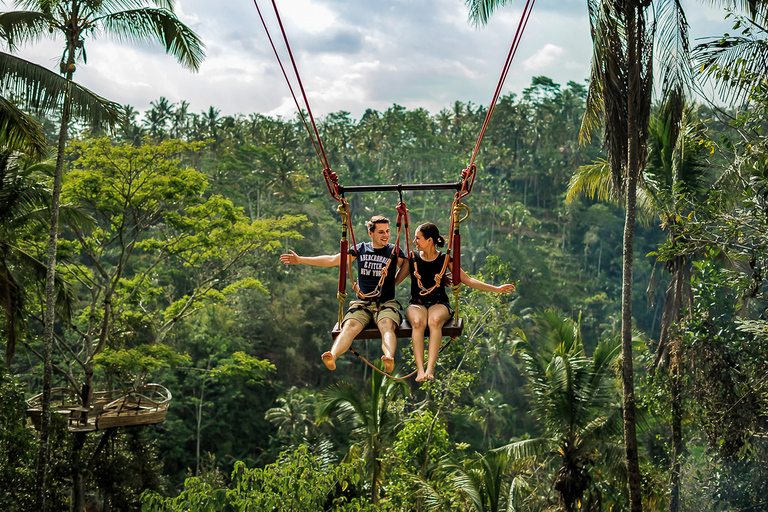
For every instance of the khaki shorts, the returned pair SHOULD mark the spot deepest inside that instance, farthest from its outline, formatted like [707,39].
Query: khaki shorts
[365,311]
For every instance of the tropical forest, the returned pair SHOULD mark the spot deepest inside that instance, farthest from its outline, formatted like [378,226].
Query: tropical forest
[159,356]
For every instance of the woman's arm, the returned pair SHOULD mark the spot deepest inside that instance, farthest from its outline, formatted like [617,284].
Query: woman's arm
[479,285]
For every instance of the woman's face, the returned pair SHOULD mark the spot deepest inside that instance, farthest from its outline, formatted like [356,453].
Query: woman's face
[420,242]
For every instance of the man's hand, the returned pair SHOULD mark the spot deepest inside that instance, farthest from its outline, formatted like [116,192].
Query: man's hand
[290,259]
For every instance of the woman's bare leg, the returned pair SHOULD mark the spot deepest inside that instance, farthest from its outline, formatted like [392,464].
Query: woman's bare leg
[417,316]
[436,318]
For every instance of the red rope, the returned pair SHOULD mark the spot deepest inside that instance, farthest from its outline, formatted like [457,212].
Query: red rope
[468,175]
[331,179]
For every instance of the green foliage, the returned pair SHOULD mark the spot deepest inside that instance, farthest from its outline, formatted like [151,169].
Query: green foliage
[17,448]
[297,482]
[127,467]
[577,400]
[726,380]
[135,363]
[243,367]
[412,473]
[373,417]
[177,273]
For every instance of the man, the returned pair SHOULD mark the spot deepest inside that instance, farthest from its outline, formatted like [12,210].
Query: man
[380,305]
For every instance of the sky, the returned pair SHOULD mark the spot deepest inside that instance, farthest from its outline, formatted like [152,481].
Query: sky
[352,54]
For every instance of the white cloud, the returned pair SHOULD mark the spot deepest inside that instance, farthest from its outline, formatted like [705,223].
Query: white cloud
[543,58]
[352,55]
[307,15]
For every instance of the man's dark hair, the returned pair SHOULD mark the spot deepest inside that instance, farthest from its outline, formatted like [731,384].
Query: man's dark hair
[376,219]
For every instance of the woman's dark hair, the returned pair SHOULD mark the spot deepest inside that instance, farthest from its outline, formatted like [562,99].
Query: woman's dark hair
[429,230]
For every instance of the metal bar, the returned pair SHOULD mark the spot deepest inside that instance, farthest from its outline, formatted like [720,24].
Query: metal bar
[417,186]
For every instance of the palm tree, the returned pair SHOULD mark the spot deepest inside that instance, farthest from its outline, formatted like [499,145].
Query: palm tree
[158,117]
[22,203]
[493,482]
[76,19]
[490,412]
[372,417]
[42,91]
[294,417]
[23,197]
[675,179]
[624,33]
[738,62]
[576,400]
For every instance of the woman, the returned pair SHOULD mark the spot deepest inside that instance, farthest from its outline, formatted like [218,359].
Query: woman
[429,305]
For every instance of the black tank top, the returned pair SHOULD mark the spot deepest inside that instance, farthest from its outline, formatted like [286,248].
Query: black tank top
[428,270]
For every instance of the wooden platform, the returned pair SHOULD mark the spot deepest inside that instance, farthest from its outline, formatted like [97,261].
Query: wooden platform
[371,332]
[144,405]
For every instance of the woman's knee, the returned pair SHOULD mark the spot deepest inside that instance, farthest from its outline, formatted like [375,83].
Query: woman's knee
[435,321]
[417,321]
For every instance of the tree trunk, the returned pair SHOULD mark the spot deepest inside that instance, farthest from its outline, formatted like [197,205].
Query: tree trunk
[50,312]
[634,106]
[628,380]
[199,428]
[78,473]
[677,439]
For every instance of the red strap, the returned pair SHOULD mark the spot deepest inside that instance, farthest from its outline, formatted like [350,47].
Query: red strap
[343,267]
[331,179]
[468,174]
[456,270]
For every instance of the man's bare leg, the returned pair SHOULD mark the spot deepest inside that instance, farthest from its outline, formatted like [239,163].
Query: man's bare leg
[349,330]
[437,316]
[417,316]
[388,343]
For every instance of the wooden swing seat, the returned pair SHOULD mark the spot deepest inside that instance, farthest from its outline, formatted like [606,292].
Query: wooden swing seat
[371,332]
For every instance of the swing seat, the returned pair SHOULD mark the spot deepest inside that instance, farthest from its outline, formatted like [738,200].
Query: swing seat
[371,332]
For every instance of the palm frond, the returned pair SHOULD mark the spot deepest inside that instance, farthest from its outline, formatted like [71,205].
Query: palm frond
[528,448]
[480,10]
[18,27]
[138,25]
[44,91]
[739,64]
[756,9]
[594,181]
[673,50]
[20,132]
[469,482]
[519,491]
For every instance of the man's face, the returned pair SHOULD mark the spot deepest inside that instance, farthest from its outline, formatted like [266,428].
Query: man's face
[380,234]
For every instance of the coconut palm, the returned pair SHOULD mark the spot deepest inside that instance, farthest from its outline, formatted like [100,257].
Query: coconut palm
[492,482]
[22,203]
[42,91]
[75,20]
[294,417]
[576,400]
[738,62]
[23,196]
[625,36]
[372,416]
[491,414]
[674,179]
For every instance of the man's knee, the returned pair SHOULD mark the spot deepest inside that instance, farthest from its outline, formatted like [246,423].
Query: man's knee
[387,325]
[351,325]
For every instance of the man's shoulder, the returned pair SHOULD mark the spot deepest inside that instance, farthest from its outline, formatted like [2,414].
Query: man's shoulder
[397,249]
